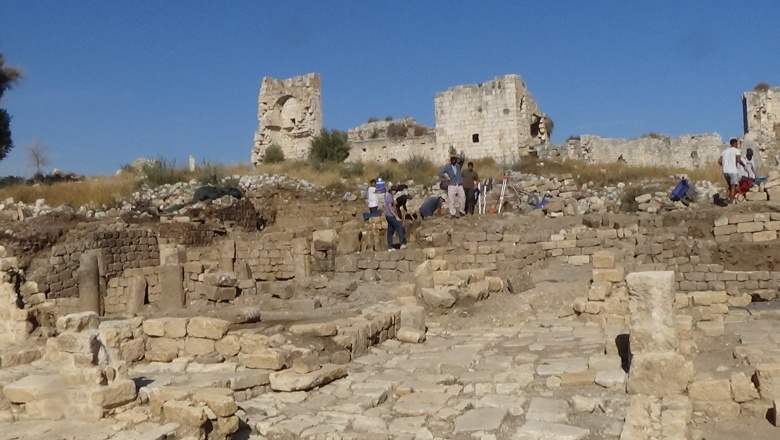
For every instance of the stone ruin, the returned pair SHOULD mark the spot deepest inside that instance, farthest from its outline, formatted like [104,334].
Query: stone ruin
[761,111]
[290,115]
[317,330]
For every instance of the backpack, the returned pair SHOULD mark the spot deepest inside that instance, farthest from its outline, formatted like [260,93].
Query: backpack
[444,184]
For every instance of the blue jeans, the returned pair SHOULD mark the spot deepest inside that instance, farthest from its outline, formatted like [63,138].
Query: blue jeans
[394,226]
[372,212]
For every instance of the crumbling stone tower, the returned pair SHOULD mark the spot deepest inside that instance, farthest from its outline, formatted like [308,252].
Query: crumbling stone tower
[289,114]
[761,112]
[498,119]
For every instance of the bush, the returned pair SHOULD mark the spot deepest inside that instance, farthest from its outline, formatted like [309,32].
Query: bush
[209,173]
[419,130]
[761,87]
[388,118]
[163,172]
[329,146]
[419,169]
[273,154]
[396,130]
[373,119]
[628,199]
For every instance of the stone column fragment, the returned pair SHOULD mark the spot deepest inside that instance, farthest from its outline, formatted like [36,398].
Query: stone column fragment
[652,325]
[89,283]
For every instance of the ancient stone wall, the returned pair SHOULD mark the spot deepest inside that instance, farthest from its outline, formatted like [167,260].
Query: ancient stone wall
[289,115]
[761,111]
[493,119]
[687,151]
[381,141]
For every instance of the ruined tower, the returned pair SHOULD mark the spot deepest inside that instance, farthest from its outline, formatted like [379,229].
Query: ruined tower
[761,113]
[498,119]
[289,114]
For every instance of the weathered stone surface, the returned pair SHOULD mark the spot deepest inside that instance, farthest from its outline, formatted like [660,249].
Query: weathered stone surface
[481,419]
[651,312]
[219,400]
[291,381]
[520,282]
[221,279]
[768,380]
[437,298]
[306,364]
[77,322]
[548,410]
[210,328]
[413,317]
[422,403]
[228,346]
[318,329]
[540,430]
[410,335]
[115,394]
[742,389]
[265,359]
[184,413]
[658,374]
[32,387]
[713,389]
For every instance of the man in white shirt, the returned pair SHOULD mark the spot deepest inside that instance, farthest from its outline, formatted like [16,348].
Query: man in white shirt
[748,170]
[373,202]
[729,160]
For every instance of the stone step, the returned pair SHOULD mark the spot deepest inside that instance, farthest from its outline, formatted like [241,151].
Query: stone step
[16,355]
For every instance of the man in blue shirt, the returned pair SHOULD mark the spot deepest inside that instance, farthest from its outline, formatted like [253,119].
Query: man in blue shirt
[430,206]
[393,218]
[451,173]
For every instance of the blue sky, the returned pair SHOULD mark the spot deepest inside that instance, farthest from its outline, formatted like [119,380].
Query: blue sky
[107,82]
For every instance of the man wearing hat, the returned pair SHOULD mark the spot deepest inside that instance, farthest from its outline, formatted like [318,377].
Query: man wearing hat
[431,206]
[453,176]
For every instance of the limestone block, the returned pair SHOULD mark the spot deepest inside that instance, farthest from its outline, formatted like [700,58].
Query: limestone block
[117,393]
[718,410]
[33,387]
[767,376]
[77,322]
[306,364]
[162,350]
[651,312]
[658,374]
[520,282]
[219,400]
[708,298]
[749,227]
[603,260]
[348,242]
[410,335]
[725,230]
[324,239]
[217,294]
[289,380]
[84,342]
[184,413]
[496,284]
[210,328]
[711,389]
[423,277]
[80,376]
[742,389]
[319,329]
[221,279]
[171,283]
[253,342]
[228,346]
[413,317]
[437,298]
[265,359]
[132,351]
[198,346]
[609,275]
[599,291]
[764,236]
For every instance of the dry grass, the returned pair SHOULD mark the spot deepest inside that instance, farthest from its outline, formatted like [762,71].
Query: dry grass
[97,191]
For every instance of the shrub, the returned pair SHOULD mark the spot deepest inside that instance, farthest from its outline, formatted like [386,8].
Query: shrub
[388,118]
[374,134]
[549,125]
[417,168]
[162,172]
[329,146]
[396,130]
[373,119]
[209,173]
[628,199]
[761,87]
[572,138]
[273,154]
[654,135]
[419,130]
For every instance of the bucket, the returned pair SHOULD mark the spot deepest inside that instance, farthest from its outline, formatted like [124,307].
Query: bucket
[380,186]
[680,191]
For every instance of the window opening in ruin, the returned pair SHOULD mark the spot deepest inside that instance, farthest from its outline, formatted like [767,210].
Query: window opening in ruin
[293,120]
[535,128]
[475,137]
[146,297]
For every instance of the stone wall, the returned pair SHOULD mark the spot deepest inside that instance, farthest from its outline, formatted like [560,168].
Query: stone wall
[492,119]
[386,149]
[687,151]
[289,114]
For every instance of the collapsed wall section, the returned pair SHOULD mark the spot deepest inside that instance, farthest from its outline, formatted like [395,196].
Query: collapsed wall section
[761,113]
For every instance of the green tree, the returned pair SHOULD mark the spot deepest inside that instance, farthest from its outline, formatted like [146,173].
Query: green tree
[8,77]
[329,146]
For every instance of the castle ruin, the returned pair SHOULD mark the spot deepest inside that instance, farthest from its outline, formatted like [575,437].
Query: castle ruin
[290,115]
[761,113]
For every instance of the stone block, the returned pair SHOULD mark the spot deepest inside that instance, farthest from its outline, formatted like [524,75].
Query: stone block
[221,279]
[216,293]
[480,419]
[184,413]
[718,410]
[651,312]
[83,342]
[767,377]
[306,364]
[437,298]
[708,298]
[749,227]
[219,400]
[615,275]
[33,387]
[742,389]
[599,291]
[264,359]
[324,240]
[711,389]
[658,374]
[77,322]
[198,346]
[115,394]
[603,260]
[289,380]
[209,328]
[764,236]
[413,317]
[410,335]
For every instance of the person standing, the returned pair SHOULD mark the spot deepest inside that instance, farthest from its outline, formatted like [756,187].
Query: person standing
[470,179]
[394,225]
[453,176]
[730,160]
[373,201]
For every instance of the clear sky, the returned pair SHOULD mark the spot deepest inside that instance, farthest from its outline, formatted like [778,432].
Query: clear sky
[107,82]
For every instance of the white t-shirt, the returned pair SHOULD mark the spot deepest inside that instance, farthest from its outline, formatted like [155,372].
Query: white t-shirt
[749,169]
[729,156]
[373,200]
